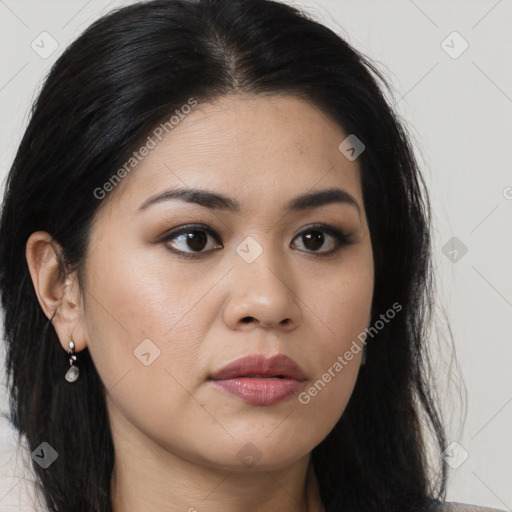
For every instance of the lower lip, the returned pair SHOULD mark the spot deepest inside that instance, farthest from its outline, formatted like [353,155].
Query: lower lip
[259,390]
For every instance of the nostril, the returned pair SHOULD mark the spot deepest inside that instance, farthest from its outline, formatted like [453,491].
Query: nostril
[247,319]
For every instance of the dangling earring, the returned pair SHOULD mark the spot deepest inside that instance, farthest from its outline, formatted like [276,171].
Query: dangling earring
[73,373]
[363,357]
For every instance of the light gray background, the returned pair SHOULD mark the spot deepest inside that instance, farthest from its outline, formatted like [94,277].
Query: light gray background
[459,112]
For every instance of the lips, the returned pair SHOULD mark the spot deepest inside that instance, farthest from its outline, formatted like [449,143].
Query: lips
[260,366]
[259,380]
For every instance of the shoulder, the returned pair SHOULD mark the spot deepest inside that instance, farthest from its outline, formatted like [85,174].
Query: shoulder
[465,507]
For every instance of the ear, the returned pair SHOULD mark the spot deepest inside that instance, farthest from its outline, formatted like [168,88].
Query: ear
[57,292]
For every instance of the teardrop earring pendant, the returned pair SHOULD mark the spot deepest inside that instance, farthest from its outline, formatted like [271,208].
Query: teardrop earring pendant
[73,373]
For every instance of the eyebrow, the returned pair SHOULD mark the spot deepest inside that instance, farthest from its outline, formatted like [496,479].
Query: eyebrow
[217,201]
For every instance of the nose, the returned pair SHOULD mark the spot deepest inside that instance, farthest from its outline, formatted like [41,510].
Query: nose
[261,294]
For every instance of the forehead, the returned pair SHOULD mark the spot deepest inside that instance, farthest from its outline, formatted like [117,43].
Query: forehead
[262,149]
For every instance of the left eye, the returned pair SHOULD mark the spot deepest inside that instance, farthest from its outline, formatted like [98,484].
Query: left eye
[314,239]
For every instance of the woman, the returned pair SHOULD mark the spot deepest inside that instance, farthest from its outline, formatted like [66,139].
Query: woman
[217,277]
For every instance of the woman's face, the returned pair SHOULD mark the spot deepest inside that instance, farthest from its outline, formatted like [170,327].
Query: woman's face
[165,308]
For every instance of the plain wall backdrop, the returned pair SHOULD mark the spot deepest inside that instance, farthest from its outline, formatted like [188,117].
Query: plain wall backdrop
[449,62]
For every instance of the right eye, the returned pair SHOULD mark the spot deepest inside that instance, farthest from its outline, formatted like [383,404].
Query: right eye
[190,241]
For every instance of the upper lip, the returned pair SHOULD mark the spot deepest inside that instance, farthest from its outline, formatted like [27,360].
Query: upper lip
[257,364]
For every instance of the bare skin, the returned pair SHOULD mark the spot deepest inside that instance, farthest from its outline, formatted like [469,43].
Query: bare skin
[178,437]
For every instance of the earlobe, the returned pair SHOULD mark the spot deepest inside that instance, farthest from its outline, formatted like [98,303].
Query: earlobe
[58,294]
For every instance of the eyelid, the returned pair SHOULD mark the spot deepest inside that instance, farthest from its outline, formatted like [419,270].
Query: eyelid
[187,228]
[331,230]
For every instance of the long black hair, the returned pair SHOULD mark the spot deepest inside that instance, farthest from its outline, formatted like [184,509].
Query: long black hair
[121,78]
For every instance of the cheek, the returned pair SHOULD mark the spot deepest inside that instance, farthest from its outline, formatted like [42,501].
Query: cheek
[137,316]
[143,344]
[343,304]
[341,311]
[143,292]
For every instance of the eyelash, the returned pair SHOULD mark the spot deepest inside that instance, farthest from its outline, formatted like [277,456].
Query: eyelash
[342,239]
